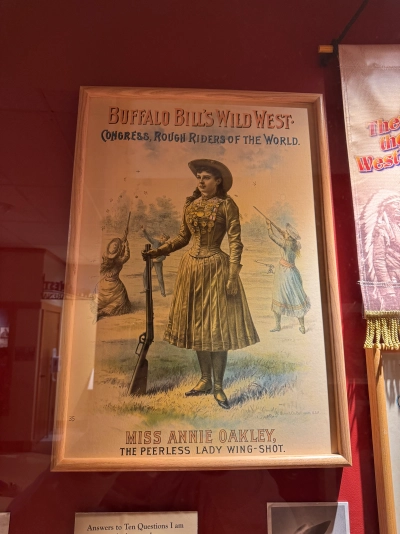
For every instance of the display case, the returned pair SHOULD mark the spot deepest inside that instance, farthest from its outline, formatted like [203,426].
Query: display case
[51,50]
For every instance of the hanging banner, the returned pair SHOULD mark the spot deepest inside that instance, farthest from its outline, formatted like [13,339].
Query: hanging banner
[370,84]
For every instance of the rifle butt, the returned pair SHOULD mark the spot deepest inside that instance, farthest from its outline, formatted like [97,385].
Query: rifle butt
[138,385]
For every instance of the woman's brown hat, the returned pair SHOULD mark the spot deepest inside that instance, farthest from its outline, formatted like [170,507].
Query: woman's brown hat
[114,248]
[292,232]
[213,164]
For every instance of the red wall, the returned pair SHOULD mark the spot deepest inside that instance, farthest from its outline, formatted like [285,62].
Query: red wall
[50,48]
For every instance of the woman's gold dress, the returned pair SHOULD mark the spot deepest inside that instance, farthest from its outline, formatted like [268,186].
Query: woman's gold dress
[203,316]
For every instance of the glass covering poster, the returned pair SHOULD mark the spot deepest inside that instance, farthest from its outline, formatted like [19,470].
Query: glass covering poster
[197,327]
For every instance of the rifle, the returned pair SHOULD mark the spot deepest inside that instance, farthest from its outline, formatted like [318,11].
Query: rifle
[272,223]
[127,228]
[138,383]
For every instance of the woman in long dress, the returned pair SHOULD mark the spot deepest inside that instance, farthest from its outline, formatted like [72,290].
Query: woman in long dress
[288,296]
[209,311]
[112,297]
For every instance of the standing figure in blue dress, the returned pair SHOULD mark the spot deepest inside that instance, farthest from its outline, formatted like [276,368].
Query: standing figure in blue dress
[288,296]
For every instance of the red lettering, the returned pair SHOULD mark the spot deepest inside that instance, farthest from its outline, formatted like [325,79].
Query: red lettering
[394,123]
[260,118]
[157,121]
[383,127]
[364,163]
[113,114]
[389,143]
[141,113]
[148,119]
[196,121]
[124,116]
[280,122]
[133,115]
[378,164]
[388,161]
[287,117]
[270,120]
[179,116]
[223,117]
[372,129]
[165,118]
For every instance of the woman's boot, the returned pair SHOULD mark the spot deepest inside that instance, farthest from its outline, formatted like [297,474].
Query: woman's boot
[204,385]
[277,322]
[219,364]
[302,328]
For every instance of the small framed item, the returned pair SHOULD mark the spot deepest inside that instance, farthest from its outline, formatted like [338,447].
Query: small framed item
[201,322]
[308,518]
[4,522]
[186,522]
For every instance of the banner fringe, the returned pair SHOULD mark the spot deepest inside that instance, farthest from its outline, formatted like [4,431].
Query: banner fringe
[382,330]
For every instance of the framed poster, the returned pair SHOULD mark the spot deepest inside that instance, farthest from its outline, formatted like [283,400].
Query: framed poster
[224,349]
[383,368]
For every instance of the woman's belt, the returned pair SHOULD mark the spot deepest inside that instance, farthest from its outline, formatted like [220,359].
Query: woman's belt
[286,263]
[204,251]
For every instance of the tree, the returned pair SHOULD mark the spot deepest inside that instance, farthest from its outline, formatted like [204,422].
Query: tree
[139,216]
[117,213]
[158,218]
[255,228]
[280,213]
[163,217]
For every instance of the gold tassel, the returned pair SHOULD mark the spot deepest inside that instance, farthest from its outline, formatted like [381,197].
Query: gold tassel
[369,339]
[382,330]
[396,326]
[378,333]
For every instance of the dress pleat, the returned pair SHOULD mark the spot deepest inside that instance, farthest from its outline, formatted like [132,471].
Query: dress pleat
[203,316]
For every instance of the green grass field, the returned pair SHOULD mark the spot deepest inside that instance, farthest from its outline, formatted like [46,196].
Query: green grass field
[254,385]
[259,381]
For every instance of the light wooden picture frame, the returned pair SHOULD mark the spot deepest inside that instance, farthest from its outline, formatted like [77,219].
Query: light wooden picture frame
[246,370]
[383,369]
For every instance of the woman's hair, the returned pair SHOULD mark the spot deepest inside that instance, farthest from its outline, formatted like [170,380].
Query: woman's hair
[107,264]
[214,172]
[116,248]
[295,244]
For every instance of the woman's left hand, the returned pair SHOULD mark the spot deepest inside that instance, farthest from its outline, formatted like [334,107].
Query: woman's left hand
[152,253]
[232,287]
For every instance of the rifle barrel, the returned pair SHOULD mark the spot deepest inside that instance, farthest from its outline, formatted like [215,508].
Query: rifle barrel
[127,227]
[266,218]
[138,384]
[261,213]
